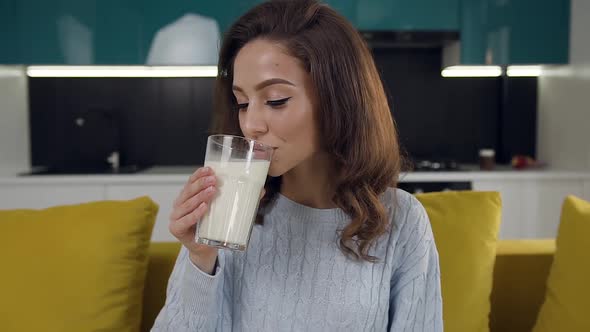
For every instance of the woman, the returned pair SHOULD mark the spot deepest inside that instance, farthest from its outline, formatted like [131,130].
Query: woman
[335,247]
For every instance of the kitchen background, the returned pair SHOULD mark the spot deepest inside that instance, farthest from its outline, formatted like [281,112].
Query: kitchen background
[164,121]
[158,125]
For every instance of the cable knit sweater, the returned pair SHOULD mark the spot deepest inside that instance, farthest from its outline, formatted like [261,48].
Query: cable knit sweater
[293,277]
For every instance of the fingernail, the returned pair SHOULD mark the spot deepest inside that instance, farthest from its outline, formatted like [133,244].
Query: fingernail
[210,179]
[210,189]
[202,206]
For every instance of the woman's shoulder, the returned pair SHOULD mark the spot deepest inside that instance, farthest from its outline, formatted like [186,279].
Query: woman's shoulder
[401,201]
[404,209]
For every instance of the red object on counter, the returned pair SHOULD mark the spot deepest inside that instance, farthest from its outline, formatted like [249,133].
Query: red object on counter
[523,162]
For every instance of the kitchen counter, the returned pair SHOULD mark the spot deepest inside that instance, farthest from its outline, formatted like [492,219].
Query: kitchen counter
[179,175]
[499,174]
[531,199]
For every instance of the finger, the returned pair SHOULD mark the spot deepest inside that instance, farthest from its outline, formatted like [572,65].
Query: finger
[180,227]
[194,188]
[200,172]
[192,203]
[197,186]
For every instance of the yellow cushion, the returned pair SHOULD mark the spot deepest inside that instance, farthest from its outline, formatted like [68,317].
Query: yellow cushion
[162,258]
[520,275]
[567,300]
[75,268]
[465,226]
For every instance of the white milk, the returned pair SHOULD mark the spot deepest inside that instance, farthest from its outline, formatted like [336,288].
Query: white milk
[232,212]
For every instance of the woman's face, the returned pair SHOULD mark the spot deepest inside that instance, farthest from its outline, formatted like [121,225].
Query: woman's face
[275,97]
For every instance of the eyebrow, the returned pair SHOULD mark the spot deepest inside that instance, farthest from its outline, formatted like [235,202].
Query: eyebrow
[264,84]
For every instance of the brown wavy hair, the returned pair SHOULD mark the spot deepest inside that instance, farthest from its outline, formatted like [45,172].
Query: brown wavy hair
[355,124]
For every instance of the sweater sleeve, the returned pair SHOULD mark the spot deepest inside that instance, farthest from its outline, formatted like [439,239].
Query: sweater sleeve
[415,295]
[194,299]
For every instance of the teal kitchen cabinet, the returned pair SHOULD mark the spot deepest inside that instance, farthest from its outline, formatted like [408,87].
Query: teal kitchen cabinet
[516,32]
[158,16]
[8,36]
[89,32]
[118,33]
[126,30]
[66,32]
[407,15]
[86,32]
[346,8]
[48,32]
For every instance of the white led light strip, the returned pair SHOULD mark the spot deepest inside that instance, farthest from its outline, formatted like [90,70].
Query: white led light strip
[491,71]
[524,71]
[472,71]
[122,71]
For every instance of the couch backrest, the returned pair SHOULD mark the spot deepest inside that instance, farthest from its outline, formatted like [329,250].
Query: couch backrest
[520,274]
[162,259]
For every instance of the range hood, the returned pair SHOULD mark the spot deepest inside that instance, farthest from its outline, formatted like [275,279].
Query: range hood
[449,42]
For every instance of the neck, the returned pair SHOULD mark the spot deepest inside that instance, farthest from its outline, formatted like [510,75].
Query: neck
[311,183]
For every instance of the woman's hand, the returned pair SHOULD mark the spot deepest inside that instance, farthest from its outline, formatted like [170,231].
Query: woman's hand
[189,208]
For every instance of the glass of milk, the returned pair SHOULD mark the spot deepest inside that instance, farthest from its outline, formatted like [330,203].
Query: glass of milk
[241,166]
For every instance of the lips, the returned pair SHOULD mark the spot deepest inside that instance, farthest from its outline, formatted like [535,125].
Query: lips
[261,151]
[261,146]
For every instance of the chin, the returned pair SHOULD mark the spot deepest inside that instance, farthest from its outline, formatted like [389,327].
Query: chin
[272,172]
[275,170]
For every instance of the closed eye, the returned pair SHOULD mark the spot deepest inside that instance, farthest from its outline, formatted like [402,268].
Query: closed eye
[278,102]
[241,107]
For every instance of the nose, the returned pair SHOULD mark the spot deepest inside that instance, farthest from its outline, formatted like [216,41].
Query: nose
[253,122]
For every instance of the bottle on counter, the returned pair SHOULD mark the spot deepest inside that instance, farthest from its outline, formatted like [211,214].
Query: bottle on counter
[487,159]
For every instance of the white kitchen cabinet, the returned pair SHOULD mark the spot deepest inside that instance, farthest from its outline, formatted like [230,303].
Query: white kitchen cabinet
[543,202]
[39,196]
[162,194]
[531,208]
[531,200]
[512,225]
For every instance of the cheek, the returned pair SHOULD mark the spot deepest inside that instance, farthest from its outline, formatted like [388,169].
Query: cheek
[277,164]
[241,121]
[300,142]
[284,160]
[295,126]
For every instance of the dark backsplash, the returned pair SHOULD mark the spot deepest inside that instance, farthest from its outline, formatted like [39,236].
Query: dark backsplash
[165,121]
[452,118]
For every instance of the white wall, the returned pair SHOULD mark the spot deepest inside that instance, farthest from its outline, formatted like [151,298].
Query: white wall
[14,120]
[564,100]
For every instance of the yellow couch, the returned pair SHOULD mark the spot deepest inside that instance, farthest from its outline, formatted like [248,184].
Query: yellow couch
[520,273]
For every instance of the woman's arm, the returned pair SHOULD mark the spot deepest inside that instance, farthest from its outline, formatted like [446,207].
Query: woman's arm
[415,295]
[194,299]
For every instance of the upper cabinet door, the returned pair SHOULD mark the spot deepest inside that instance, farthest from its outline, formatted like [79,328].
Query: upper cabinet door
[8,32]
[346,8]
[117,32]
[407,14]
[49,32]
[515,31]
[180,32]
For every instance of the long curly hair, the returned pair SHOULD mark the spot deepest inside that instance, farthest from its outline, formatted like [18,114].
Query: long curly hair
[354,120]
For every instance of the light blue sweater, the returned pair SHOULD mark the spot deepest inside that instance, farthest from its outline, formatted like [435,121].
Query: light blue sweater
[293,277]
